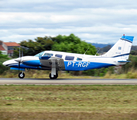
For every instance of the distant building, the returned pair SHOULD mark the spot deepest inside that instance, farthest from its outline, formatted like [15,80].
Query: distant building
[3,48]
[7,48]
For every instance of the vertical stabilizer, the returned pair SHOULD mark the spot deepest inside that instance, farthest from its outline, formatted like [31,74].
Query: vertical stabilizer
[121,48]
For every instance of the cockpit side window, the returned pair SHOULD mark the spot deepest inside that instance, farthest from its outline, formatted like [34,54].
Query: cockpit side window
[69,58]
[48,54]
[79,58]
[58,55]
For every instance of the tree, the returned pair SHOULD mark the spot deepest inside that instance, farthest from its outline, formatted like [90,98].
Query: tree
[133,52]
[31,47]
[64,43]
[131,65]
[72,44]
[2,59]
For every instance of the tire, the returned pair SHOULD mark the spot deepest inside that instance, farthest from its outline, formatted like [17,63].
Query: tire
[55,76]
[21,75]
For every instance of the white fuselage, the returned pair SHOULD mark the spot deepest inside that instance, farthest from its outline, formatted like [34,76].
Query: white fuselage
[72,61]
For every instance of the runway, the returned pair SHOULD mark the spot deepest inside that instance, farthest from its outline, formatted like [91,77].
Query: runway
[17,81]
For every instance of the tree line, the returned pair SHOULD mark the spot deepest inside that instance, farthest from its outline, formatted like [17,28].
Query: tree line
[63,43]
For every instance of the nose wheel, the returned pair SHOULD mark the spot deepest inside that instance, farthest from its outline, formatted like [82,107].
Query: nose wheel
[21,75]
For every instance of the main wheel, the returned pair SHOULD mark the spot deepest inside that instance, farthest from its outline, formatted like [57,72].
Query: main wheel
[21,75]
[55,76]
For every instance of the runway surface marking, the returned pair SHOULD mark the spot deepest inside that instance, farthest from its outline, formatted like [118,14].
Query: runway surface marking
[17,81]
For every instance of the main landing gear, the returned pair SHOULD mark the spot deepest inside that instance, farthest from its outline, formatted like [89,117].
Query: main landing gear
[21,75]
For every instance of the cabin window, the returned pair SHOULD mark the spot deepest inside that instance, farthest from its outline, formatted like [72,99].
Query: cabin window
[79,58]
[58,55]
[69,58]
[48,54]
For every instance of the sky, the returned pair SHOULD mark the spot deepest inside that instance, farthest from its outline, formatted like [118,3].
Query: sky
[95,21]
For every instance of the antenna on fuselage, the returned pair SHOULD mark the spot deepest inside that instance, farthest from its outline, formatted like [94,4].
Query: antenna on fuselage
[19,51]
[20,55]
[98,51]
[22,52]
[20,58]
[86,51]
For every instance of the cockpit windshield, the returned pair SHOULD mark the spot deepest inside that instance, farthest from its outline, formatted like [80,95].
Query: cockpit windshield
[39,54]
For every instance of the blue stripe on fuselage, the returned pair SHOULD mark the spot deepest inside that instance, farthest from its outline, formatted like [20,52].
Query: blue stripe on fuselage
[32,62]
[121,55]
[84,65]
[69,65]
[22,66]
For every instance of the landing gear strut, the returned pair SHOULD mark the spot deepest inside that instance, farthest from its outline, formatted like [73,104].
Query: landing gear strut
[53,76]
[21,75]
[54,72]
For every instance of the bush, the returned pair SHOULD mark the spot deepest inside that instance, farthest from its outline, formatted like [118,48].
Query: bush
[99,72]
[2,59]
[132,64]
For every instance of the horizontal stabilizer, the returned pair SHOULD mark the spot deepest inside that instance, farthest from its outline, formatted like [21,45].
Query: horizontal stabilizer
[123,61]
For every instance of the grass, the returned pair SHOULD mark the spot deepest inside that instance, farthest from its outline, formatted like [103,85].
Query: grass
[39,74]
[67,102]
[131,74]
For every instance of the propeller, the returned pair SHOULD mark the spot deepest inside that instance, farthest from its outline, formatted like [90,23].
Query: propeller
[20,57]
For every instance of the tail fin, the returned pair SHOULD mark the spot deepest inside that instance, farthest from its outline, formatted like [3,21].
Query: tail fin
[121,48]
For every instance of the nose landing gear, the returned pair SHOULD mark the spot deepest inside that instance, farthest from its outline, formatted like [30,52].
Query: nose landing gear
[21,75]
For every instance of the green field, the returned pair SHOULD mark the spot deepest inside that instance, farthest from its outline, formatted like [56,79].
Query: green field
[68,102]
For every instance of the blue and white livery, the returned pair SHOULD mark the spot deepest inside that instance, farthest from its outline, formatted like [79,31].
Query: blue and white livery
[55,60]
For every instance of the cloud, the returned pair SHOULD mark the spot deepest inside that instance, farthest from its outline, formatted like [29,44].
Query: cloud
[59,5]
[92,21]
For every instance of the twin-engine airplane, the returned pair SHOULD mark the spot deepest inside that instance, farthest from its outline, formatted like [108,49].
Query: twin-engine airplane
[55,61]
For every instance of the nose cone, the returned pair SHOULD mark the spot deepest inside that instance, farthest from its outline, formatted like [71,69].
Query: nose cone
[9,62]
[5,63]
